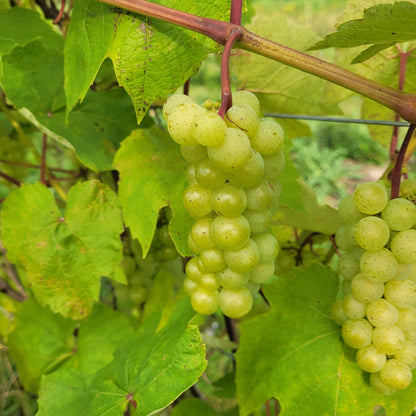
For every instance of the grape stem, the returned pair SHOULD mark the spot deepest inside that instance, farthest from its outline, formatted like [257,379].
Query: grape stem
[226,98]
[396,172]
[402,103]
[10,179]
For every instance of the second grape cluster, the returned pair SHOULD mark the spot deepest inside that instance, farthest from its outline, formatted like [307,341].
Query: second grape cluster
[234,164]
[378,267]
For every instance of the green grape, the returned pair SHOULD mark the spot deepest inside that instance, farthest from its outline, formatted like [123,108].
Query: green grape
[250,174]
[400,293]
[337,312]
[353,308]
[407,355]
[348,267]
[408,189]
[399,214]
[379,386]
[233,152]
[194,154]
[209,281]
[396,374]
[410,335]
[381,313]
[189,286]
[235,303]
[285,262]
[129,265]
[259,220]
[208,175]
[262,272]
[213,259]
[344,237]
[404,271]
[366,290]
[190,175]
[268,247]
[193,246]
[229,200]
[274,205]
[268,138]
[197,200]
[371,233]
[370,197]
[209,129]
[346,287]
[201,233]
[138,279]
[230,279]
[244,259]
[370,359]
[274,165]
[403,246]
[230,233]
[204,301]
[357,333]
[243,117]
[348,211]
[406,319]
[389,339]
[248,98]
[181,121]
[167,254]
[138,295]
[379,265]
[172,102]
[164,236]
[193,269]
[260,196]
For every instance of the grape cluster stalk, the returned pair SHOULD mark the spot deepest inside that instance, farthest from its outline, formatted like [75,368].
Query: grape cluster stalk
[232,194]
[377,240]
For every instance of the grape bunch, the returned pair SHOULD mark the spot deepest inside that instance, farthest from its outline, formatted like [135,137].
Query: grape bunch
[140,272]
[377,239]
[234,164]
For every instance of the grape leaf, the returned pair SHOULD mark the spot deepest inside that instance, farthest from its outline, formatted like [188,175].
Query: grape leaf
[152,58]
[90,33]
[152,177]
[95,128]
[11,33]
[64,256]
[53,345]
[382,24]
[32,77]
[304,363]
[196,407]
[149,369]
[38,346]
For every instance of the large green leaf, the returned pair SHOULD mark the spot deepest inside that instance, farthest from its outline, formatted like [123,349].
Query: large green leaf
[42,345]
[32,78]
[151,58]
[152,177]
[40,342]
[383,24]
[150,370]
[65,256]
[90,33]
[11,33]
[295,354]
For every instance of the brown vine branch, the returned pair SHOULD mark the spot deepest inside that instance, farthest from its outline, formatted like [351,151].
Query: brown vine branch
[400,102]
[396,173]
[60,14]
[10,179]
